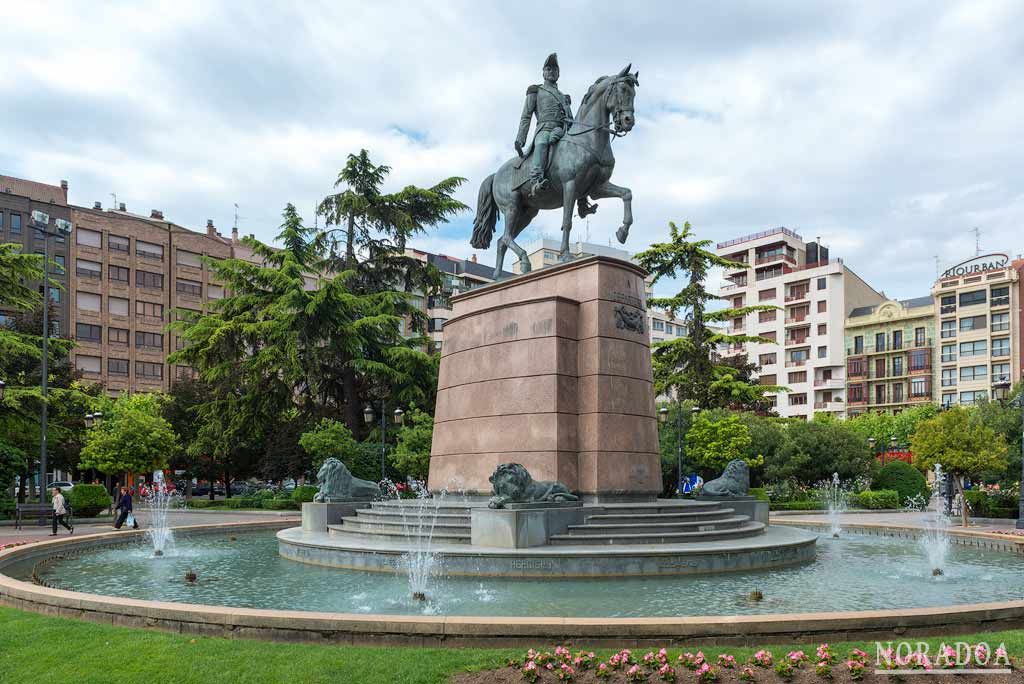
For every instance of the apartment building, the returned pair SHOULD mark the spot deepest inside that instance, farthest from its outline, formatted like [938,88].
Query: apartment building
[890,356]
[544,252]
[805,347]
[979,322]
[18,199]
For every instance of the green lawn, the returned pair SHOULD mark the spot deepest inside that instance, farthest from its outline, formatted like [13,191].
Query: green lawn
[38,648]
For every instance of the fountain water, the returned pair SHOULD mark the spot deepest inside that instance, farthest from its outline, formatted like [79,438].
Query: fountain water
[419,517]
[159,501]
[835,498]
[935,540]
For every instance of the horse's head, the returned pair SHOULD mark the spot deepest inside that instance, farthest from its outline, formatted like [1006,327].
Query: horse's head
[619,100]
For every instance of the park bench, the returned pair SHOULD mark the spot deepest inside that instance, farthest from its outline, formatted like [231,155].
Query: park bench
[42,512]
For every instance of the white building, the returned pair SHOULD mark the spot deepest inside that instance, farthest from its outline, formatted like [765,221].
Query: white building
[814,294]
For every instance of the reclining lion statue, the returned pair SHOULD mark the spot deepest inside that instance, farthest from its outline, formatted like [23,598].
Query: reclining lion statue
[512,484]
[735,481]
[337,484]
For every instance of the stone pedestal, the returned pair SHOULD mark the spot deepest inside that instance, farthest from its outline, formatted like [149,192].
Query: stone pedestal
[743,505]
[521,526]
[316,516]
[551,369]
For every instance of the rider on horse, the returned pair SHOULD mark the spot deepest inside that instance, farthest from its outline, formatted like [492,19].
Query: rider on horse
[554,116]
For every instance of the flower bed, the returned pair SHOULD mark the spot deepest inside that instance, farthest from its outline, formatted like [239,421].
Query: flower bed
[824,665]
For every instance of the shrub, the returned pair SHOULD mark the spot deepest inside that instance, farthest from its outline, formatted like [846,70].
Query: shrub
[203,503]
[281,505]
[876,499]
[806,505]
[264,494]
[304,493]
[904,478]
[241,502]
[87,500]
[759,493]
[6,507]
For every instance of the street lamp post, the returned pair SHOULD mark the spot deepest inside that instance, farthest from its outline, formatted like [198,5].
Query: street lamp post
[3,386]
[41,223]
[680,447]
[399,418]
[1018,403]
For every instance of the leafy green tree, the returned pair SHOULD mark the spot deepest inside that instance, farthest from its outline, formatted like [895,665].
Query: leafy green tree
[813,450]
[961,443]
[1004,419]
[711,443]
[689,367]
[134,437]
[330,439]
[13,462]
[412,450]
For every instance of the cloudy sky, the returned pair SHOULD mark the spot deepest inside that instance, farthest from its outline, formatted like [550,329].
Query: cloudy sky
[888,129]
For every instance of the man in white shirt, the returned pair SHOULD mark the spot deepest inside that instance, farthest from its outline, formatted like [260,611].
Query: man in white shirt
[60,512]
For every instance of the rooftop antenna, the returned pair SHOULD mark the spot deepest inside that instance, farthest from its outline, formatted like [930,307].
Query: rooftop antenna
[977,240]
[938,267]
[114,195]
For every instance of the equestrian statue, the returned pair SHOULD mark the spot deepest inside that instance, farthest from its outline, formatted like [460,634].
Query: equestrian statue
[568,162]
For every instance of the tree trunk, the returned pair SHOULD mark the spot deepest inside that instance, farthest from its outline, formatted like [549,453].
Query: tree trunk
[353,413]
[227,483]
[964,514]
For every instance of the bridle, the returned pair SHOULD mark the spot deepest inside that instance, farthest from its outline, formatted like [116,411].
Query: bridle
[615,133]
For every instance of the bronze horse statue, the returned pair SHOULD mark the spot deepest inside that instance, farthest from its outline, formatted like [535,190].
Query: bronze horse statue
[579,167]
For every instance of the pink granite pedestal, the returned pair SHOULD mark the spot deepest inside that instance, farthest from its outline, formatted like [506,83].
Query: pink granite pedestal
[551,369]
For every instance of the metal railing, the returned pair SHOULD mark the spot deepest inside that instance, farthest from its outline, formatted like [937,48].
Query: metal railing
[758,236]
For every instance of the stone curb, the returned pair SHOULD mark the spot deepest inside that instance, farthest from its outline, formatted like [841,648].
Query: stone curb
[484,631]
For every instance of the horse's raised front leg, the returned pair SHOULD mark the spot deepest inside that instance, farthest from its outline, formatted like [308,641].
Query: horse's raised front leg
[626,195]
[568,202]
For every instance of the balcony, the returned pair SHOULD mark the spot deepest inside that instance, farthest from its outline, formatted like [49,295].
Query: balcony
[833,383]
[796,363]
[796,319]
[771,258]
[947,309]
[1000,301]
[857,401]
[758,236]
[797,341]
[797,296]
[834,405]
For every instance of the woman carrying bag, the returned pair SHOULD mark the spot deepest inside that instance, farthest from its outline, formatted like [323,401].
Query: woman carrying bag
[124,510]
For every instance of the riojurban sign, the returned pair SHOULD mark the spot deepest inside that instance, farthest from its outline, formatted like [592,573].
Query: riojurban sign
[979,264]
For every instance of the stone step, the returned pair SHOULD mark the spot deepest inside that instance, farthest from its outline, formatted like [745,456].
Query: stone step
[662,506]
[398,516]
[660,527]
[399,535]
[413,506]
[360,523]
[627,518]
[747,529]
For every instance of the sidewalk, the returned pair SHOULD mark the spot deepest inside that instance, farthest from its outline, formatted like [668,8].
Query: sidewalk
[33,532]
[898,519]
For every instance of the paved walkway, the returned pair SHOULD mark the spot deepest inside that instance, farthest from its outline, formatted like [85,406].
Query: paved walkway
[33,532]
[895,519]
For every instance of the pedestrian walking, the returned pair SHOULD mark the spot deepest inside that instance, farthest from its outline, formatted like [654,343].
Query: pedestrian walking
[124,510]
[115,500]
[60,513]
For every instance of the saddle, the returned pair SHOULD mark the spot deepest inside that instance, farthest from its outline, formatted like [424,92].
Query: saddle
[522,165]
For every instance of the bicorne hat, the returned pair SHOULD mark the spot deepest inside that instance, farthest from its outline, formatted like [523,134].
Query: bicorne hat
[551,61]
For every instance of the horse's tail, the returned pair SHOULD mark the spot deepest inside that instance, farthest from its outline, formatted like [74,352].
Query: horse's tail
[486,215]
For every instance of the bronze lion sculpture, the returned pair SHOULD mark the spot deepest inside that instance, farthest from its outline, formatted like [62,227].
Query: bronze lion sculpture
[337,484]
[511,483]
[735,481]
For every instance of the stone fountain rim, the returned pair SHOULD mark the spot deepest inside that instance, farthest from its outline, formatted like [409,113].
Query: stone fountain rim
[476,631]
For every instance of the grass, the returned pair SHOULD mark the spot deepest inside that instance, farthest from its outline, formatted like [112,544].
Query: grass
[34,646]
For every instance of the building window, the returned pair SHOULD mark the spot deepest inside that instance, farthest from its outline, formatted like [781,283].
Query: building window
[948,353]
[117,366]
[768,335]
[970,398]
[969,373]
[184,372]
[87,301]
[949,377]
[979,348]
[84,332]
[897,365]
[973,323]
[148,279]
[765,295]
[88,269]
[766,316]
[948,399]
[797,377]
[920,387]
[799,356]
[897,392]
[54,329]
[920,359]
[975,297]
[61,264]
[948,304]
[89,238]
[189,287]
[822,283]
[1000,296]
[146,369]
[149,339]
[149,310]
[948,329]
[117,336]
[88,364]
[215,291]
[117,274]
[436,324]
[117,306]
[858,344]
[1000,372]
[55,295]
[798,399]
[116,243]
[919,337]
[822,329]
[897,340]
[148,250]
[660,325]
[189,259]
[822,352]
[822,306]
[766,380]
[1000,322]
[15,224]
[1001,347]
[1,220]
[766,359]
[879,342]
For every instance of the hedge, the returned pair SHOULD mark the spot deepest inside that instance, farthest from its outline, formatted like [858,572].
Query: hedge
[877,499]
[88,500]
[304,493]
[806,505]
[759,493]
[281,505]
[904,478]
[985,505]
